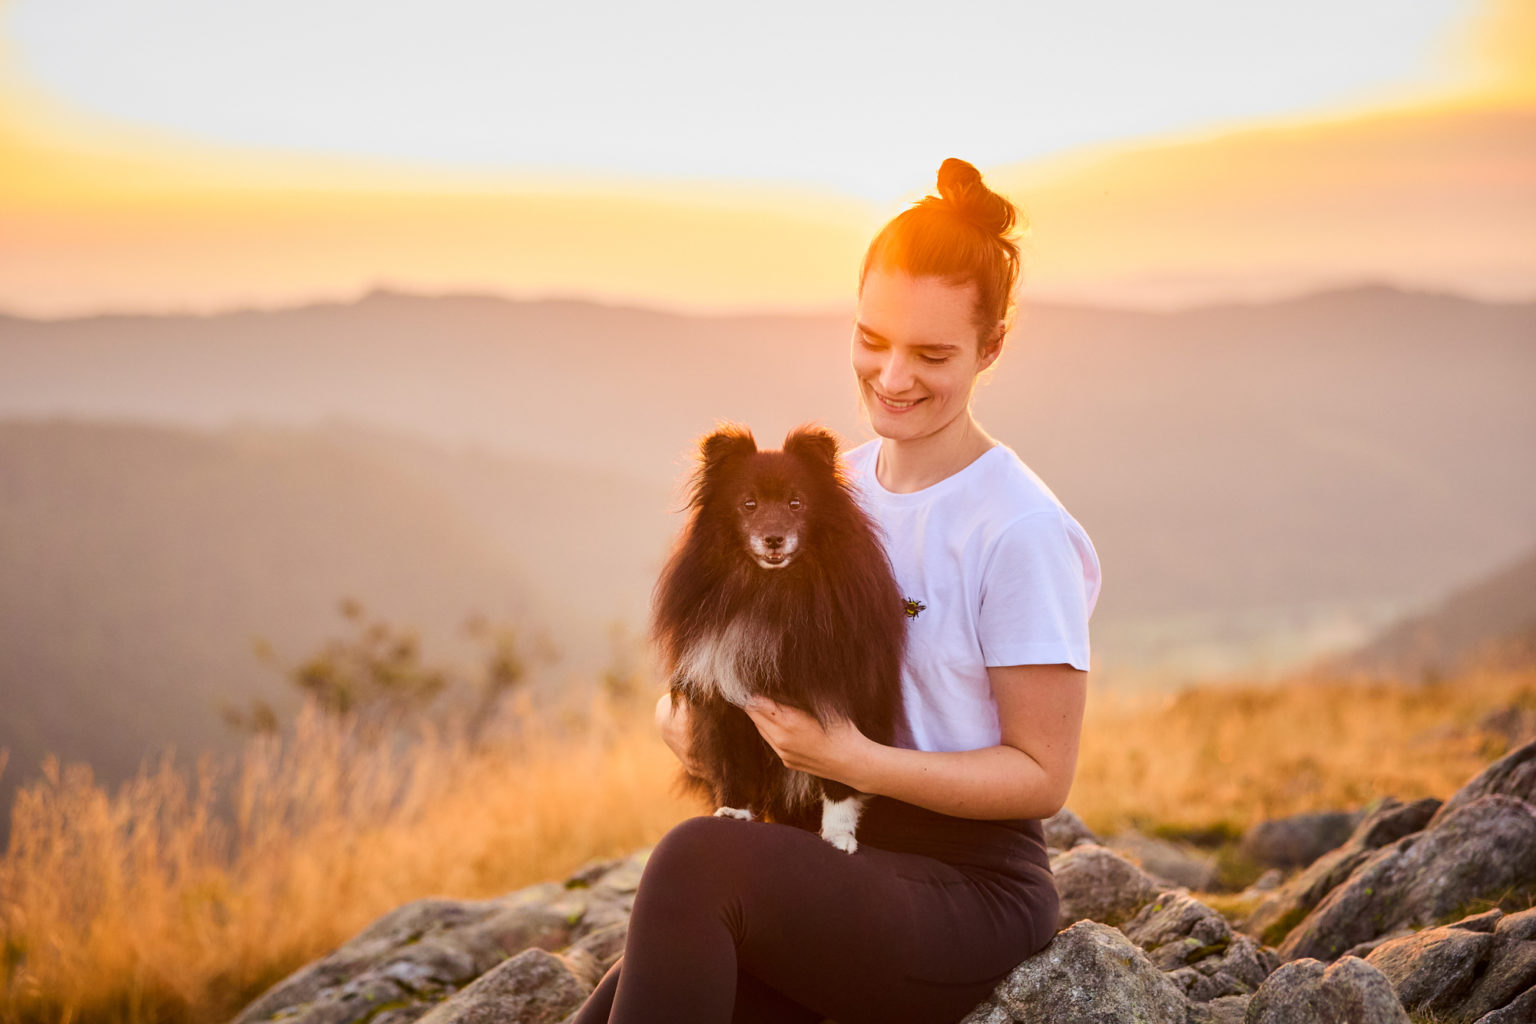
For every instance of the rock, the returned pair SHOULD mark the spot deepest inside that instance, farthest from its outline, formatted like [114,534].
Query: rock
[533,987]
[1166,861]
[1176,930]
[1521,1011]
[1511,972]
[1300,839]
[1226,1010]
[1389,821]
[1464,971]
[1514,774]
[1364,949]
[1198,949]
[1099,885]
[603,946]
[1307,991]
[1088,974]
[1237,970]
[421,953]
[418,952]
[1433,971]
[1064,830]
[1483,849]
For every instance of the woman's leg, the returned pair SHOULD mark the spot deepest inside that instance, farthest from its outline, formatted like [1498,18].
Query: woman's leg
[756,1003]
[873,936]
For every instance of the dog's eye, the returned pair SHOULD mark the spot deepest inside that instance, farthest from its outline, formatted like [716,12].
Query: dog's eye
[750,504]
[794,504]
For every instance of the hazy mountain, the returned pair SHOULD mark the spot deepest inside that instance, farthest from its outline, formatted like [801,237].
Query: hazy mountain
[1491,620]
[1260,480]
[138,563]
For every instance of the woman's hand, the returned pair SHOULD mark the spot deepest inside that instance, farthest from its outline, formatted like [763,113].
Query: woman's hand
[832,751]
[673,723]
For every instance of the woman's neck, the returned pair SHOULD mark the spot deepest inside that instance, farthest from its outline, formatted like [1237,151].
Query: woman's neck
[907,466]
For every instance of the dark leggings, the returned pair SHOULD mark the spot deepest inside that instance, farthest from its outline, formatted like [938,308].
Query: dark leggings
[748,921]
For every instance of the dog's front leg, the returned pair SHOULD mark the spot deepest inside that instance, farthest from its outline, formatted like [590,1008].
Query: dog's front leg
[841,807]
[738,789]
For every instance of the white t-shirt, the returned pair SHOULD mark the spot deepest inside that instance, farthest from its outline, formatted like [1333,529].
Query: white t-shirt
[994,571]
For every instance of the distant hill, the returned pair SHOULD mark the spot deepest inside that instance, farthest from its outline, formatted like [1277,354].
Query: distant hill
[139,562]
[1261,480]
[1490,621]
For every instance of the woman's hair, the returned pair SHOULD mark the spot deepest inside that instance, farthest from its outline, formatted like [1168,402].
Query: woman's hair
[962,235]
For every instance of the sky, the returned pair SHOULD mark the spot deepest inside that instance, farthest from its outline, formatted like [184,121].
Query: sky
[164,154]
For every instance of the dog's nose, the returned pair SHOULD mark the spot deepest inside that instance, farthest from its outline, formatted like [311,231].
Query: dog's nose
[773,543]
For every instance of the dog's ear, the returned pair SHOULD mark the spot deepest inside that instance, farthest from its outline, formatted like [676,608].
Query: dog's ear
[725,444]
[816,445]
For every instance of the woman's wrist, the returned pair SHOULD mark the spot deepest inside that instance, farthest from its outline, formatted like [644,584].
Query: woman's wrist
[866,766]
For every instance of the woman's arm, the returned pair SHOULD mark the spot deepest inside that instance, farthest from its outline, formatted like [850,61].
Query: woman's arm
[1028,775]
[672,722]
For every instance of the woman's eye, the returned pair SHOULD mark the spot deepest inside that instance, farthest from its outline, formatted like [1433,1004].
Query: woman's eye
[794,504]
[750,504]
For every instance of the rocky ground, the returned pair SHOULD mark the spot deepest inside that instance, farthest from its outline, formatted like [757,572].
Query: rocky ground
[1395,912]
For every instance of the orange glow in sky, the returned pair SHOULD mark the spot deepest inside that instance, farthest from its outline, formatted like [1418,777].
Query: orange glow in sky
[1429,182]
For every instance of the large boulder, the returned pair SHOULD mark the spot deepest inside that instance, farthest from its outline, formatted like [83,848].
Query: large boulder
[1514,774]
[533,987]
[1308,991]
[1386,822]
[1100,885]
[426,956]
[1298,840]
[1064,830]
[1088,974]
[1169,862]
[1459,973]
[1197,948]
[1482,851]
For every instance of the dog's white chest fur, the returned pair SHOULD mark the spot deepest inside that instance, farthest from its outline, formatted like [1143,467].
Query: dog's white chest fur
[722,663]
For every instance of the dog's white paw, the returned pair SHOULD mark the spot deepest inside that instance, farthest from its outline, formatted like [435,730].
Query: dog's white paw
[840,819]
[842,840]
[733,812]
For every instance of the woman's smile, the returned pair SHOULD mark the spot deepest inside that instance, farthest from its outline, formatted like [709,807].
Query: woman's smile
[894,405]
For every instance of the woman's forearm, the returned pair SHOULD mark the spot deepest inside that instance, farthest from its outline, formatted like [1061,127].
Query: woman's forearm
[993,782]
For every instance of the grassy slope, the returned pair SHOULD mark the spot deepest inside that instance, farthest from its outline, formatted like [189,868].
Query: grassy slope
[106,920]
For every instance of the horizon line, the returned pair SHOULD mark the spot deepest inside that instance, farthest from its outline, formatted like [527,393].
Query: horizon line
[1281,296]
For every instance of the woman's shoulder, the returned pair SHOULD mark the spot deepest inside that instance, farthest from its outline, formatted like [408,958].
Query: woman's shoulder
[1011,488]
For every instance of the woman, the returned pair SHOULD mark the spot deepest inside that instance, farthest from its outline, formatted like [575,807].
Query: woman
[950,887]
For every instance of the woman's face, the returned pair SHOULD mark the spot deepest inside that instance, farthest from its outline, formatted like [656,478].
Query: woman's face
[915,353]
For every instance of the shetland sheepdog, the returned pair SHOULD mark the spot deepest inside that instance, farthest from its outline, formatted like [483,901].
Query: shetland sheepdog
[779,586]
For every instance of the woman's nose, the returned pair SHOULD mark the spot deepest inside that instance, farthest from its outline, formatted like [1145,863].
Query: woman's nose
[896,374]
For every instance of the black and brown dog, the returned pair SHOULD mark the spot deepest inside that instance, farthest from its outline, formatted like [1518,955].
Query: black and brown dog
[779,587]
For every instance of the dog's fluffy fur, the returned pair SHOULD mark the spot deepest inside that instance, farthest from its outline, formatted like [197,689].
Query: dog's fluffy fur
[780,587]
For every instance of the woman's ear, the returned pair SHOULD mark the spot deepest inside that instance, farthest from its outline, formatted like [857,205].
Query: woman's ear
[993,347]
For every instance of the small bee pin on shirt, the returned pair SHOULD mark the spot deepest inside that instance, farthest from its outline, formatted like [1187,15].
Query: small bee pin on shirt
[912,607]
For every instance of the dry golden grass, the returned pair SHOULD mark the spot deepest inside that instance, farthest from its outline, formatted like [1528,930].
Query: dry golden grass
[1216,759]
[143,906]
[148,906]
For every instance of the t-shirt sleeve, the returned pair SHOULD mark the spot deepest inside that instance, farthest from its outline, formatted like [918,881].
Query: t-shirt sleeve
[1039,584]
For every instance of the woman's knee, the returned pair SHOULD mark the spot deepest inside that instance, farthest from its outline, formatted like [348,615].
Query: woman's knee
[696,851]
[695,841]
